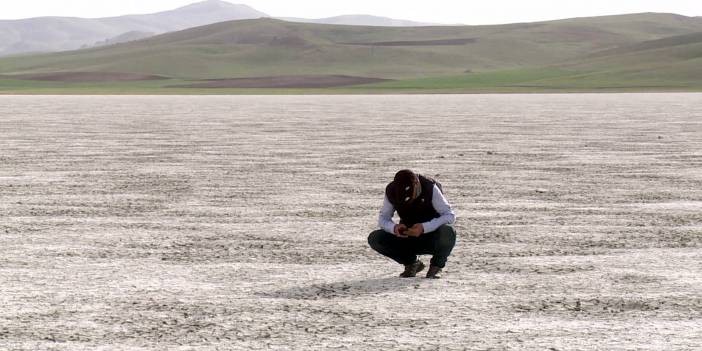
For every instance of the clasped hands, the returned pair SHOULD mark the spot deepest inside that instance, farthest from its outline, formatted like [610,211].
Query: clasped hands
[402,231]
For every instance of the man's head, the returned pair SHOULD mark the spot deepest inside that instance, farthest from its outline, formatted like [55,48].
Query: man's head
[407,187]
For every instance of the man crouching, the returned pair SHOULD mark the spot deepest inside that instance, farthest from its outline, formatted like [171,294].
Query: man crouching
[424,228]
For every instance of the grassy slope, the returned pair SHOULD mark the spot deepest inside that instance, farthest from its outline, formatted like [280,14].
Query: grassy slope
[245,49]
[673,63]
[270,47]
[670,62]
[502,59]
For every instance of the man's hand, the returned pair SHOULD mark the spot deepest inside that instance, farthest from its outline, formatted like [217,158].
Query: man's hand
[415,231]
[400,230]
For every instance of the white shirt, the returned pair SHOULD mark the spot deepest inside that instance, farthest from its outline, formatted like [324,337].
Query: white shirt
[442,207]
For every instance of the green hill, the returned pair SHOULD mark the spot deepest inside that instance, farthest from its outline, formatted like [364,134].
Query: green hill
[669,62]
[542,54]
[673,63]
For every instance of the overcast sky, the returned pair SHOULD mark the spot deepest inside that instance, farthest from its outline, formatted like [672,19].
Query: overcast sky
[439,11]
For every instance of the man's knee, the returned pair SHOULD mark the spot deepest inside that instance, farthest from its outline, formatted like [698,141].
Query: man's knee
[446,237]
[375,238]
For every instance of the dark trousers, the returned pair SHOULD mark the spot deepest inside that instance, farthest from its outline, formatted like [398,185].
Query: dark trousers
[438,243]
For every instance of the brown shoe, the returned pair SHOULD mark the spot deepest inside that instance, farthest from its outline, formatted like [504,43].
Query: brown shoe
[434,272]
[411,270]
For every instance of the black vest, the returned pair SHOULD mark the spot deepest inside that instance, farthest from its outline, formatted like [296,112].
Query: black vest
[418,211]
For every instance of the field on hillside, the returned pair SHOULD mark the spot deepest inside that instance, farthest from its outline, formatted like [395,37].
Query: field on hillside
[540,80]
[240,223]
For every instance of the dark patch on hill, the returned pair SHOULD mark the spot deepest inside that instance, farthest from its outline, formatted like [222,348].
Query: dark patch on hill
[669,42]
[301,81]
[123,38]
[78,77]
[436,42]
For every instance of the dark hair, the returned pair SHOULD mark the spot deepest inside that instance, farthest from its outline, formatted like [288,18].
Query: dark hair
[404,185]
[404,177]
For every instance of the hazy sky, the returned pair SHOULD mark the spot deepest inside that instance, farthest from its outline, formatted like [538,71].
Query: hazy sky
[440,11]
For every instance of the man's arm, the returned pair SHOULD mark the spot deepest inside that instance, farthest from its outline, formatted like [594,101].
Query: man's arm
[443,208]
[385,218]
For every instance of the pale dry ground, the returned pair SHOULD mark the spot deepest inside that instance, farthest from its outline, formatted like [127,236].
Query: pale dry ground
[205,223]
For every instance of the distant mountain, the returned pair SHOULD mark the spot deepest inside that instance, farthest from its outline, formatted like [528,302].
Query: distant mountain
[50,34]
[361,20]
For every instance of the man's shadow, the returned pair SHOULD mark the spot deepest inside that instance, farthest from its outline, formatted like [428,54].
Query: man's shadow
[343,288]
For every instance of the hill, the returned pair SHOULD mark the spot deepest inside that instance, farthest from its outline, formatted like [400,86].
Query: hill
[672,63]
[361,20]
[629,51]
[51,34]
[661,62]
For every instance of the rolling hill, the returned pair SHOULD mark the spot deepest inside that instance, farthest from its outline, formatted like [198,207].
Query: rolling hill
[672,63]
[646,50]
[53,34]
[676,59]
[361,20]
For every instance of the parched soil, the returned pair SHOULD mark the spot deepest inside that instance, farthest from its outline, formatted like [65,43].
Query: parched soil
[241,223]
[77,77]
[301,81]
